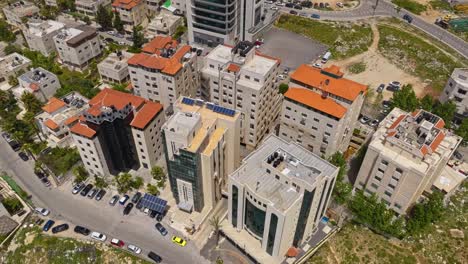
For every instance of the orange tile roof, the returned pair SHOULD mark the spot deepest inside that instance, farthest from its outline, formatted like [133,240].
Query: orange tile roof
[233,67]
[316,78]
[83,130]
[129,87]
[395,124]
[437,140]
[333,69]
[158,43]
[70,120]
[109,97]
[440,124]
[51,124]
[146,114]
[126,4]
[166,65]
[53,105]
[316,101]
[34,86]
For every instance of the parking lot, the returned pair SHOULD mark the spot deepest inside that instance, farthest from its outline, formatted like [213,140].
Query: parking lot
[278,43]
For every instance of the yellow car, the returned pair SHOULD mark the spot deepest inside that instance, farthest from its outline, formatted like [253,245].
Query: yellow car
[179,241]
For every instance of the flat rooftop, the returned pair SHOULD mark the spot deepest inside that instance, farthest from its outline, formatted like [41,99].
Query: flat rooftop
[11,62]
[116,61]
[286,158]
[40,28]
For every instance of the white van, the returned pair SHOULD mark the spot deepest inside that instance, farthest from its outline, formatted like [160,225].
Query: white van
[326,57]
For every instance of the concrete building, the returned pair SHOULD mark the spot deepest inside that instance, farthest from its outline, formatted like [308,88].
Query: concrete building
[221,21]
[12,64]
[406,155]
[321,109]
[43,84]
[40,35]
[114,68]
[277,197]
[58,115]
[90,7]
[131,12]
[16,12]
[76,47]
[164,70]
[243,79]
[456,90]
[164,24]
[152,5]
[201,143]
[119,132]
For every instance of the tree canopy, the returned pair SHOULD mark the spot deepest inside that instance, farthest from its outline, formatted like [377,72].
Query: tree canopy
[283,88]
[5,32]
[31,103]
[427,102]
[462,130]
[118,24]
[104,17]
[405,99]
[138,39]
[446,111]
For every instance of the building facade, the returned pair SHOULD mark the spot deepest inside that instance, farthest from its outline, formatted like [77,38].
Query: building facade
[90,7]
[279,195]
[40,35]
[131,12]
[406,155]
[201,142]
[16,12]
[164,70]
[43,84]
[118,132]
[456,90]
[321,109]
[114,68]
[76,47]
[241,78]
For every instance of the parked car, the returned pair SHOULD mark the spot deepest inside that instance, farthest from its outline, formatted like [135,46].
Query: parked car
[154,257]
[134,249]
[93,193]
[386,104]
[111,32]
[153,214]
[292,12]
[78,187]
[139,205]
[394,86]
[100,194]
[159,217]
[364,119]
[117,242]
[39,174]
[42,211]
[317,65]
[86,189]
[298,7]
[380,88]
[408,18]
[374,123]
[136,197]
[45,181]
[289,5]
[161,229]
[179,241]
[114,200]
[98,236]
[23,156]
[82,230]
[282,76]
[124,199]
[15,145]
[128,208]
[6,136]
[48,225]
[60,228]
[279,4]
[274,8]
[146,211]
[340,4]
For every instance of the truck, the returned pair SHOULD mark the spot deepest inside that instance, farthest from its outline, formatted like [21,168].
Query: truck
[326,57]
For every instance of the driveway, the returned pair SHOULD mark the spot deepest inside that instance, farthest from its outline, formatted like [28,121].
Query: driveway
[99,216]
[278,43]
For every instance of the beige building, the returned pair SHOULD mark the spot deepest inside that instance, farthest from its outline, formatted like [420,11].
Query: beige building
[40,82]
[76,47]
[40,35]
[90,7]
[243,79]
[12,64]
[456,90]
[15,12]
[131,12]
[277,198]
[119,132]
[114,68]
[164,24]
[58,115]
[164,70]
[202,149]
[321,109]
[406,155]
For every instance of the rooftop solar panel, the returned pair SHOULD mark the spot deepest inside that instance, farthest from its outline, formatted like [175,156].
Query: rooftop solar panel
[154,203]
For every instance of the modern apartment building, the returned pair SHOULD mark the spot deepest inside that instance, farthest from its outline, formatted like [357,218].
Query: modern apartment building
[58,115]
[40,34]
[118,132]
[114,68]
[164,70]
[40,82]
[90,7]
[16,12]
[406,155]
[222,21]
[456,90]
[243,79]
[12,64]
[76,47]
[278,196]
[131,12]
[201,143]
[321,109]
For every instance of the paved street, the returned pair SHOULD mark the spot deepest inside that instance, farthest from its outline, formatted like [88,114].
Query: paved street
[136,228]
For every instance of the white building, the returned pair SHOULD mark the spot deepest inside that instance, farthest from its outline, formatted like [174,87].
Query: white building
[114,68]
[244,79]
[90,7]
[15,12]
[12,64]
[39,35]
[77,46]
[164,71]
[277,198]
[163,24]
[40,82]
[132,13]
[456,90]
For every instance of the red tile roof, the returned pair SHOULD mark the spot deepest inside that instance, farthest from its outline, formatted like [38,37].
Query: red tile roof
[437,140]
[71,120]
[395,124]
[158,43]
[146,114]
[440,124]
[233,67]
[126,4]
[83,130]
[166,65]
[333,69]
[53,105]
[109,97]
[51,124]
[318,79]
[316,101]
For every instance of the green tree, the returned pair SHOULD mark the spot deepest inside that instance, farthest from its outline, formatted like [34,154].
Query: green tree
[104,17]
[34,148]
[100,182]
[12,204]
[31,103]
[118,24]
[66,5]
[12,80]
[215,222]
[137,183]
[462,130]
[446,111]
[427,102]
[138,38]
[87,20]
[5,32]
[158,173]
[152,189]
[405,98]
[11,48]
[283,88]
[426,213]
[80,174]
[124,182]
[342,190]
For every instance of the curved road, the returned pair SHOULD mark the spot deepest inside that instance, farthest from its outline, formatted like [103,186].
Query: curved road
[387,9]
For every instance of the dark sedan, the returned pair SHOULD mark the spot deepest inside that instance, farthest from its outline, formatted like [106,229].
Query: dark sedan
[82,230]
[60,228]
[128,208]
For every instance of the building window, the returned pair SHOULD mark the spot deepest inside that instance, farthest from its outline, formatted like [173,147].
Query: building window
[375,186]
[397,205]
[384,162]
[235,197]
[211,66]
[247,77]
[389,194]
[254,219]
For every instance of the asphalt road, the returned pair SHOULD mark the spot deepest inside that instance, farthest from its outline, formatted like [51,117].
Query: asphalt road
[99,216]
[387,9]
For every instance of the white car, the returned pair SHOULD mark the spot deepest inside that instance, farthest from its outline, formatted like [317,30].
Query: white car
[121,43]
[42,211]
[317,65]
[339,4]
[274,8]
[98,236]
[279,4]
[281,76]
[268,2]
[134,249]
[111,32]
